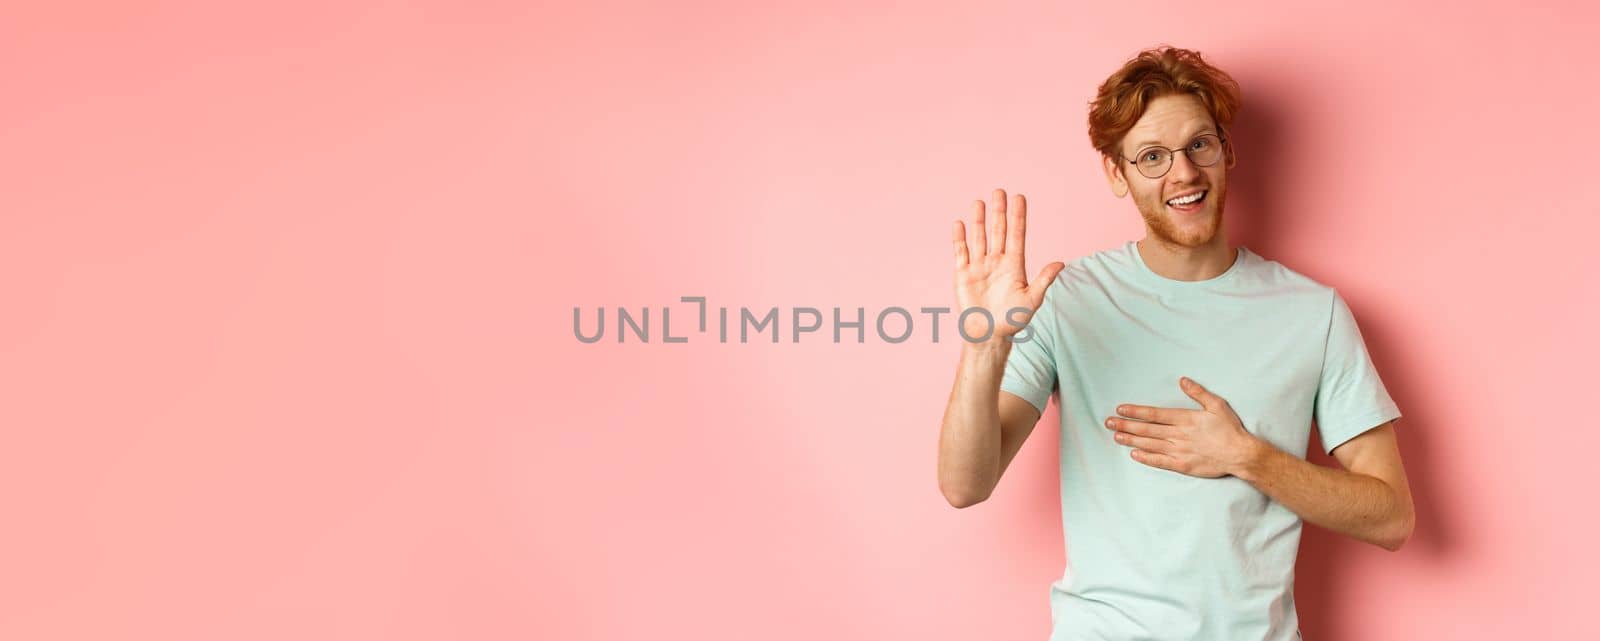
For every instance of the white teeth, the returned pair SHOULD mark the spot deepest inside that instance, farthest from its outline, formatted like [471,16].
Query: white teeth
[1186,199]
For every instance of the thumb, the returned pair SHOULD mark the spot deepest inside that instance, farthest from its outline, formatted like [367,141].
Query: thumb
[1041,284]
[1201,394]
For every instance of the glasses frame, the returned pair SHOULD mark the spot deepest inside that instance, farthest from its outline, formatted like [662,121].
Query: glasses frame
[1222,141]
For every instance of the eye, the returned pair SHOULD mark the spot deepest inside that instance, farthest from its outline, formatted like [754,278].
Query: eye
[1199,143]
[1151,156]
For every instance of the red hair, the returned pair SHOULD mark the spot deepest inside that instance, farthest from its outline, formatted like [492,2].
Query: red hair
[1153,73]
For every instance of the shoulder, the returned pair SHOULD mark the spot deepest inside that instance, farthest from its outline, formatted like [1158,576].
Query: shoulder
[1081,281]
[1312,300]
[1095,270]
[1280,280]
[1270,271]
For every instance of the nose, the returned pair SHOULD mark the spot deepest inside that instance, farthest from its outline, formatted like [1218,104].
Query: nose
[1182,170]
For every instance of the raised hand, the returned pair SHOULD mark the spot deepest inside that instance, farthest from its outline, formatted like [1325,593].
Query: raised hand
[991,273]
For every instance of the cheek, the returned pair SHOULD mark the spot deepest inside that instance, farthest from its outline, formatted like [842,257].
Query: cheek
[1147,193]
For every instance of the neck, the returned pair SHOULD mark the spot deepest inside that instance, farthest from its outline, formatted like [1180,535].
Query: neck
[1179,262]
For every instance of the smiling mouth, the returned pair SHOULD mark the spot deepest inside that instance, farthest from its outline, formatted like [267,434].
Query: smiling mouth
[1188,202]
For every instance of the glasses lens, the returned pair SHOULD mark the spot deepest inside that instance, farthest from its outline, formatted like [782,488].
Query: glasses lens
[1153,163]
[1205,150]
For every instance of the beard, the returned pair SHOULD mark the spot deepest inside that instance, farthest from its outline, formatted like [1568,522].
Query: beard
[1186,230]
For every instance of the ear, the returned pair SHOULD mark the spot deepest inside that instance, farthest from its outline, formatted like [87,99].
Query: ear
[1114,176]
[1227,152]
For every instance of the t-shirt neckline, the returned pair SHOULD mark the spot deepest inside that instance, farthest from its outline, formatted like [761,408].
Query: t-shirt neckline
[1168,284]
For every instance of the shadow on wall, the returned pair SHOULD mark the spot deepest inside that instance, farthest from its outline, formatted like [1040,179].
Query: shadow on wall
[1268,158]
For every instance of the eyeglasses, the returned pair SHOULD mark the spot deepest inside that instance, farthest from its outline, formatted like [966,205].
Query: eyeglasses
[1155,161]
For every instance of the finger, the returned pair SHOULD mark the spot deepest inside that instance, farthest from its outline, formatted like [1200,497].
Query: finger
[1162,415]
[1016,226]
[1145,443]
[959,238]
[1154,459]
[1040,285]
[975,240]
[997,222]
[1201,395]
[1142,428]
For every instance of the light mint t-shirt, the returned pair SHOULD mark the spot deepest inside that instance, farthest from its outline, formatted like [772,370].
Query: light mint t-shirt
[1155,554]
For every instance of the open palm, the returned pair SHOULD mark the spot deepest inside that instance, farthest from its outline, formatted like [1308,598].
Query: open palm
[991,272]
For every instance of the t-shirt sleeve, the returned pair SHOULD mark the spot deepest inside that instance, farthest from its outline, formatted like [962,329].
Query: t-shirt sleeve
[1351,398]
[1031,367]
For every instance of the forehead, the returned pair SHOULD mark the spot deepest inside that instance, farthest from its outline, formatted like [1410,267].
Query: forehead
[1169,120]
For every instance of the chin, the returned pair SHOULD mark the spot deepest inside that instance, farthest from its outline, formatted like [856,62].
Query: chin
[1189,240]
[1196,232]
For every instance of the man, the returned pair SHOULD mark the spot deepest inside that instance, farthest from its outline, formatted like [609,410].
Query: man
[1188,374]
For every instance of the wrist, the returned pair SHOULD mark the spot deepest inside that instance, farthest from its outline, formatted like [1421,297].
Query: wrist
[1254,454]
[996,347]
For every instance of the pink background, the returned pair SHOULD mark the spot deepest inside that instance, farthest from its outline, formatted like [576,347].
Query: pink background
[287,348]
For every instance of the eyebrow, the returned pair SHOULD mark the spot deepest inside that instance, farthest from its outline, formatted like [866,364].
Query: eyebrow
[1202,131]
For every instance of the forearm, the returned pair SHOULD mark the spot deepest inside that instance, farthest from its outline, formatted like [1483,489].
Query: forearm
[1356,505]
[969,438]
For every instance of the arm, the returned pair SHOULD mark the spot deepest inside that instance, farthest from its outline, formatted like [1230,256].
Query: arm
[983,427]
[1369,500]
